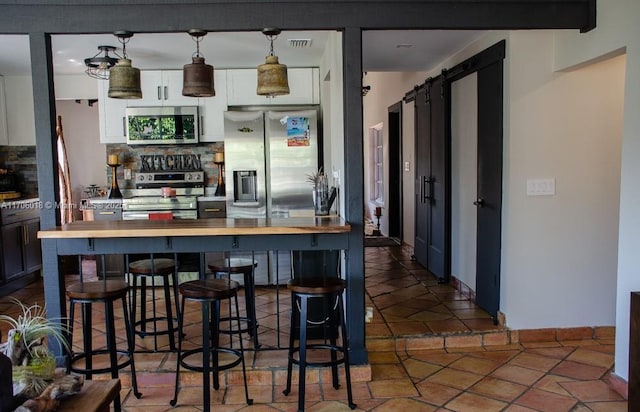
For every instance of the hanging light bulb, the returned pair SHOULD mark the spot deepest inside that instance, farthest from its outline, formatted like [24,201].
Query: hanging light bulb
[197,77]
[272,76]
[124,79]
[98,65]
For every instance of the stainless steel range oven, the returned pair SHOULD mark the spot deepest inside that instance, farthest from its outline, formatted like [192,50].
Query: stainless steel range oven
[172,195]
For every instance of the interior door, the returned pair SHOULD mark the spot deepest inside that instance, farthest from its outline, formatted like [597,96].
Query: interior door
[432,247]
[439,183]
[422,163]
[489,202]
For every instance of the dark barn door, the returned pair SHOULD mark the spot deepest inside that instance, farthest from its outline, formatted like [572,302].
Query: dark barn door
[422,163]
[433,154]
[489,202]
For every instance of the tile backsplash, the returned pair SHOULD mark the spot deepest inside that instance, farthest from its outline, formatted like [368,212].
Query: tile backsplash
[131,157]
[22,160]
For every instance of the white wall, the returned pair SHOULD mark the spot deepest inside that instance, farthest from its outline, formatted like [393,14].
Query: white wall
[82,139]
[559,252]
[333,114]
[618,28]
[464,177]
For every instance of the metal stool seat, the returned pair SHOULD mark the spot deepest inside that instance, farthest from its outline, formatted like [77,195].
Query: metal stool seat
[209,292]
[329,289]
[107,292]
[153,268]
[244,267]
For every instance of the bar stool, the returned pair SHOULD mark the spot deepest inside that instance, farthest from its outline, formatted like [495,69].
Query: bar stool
[154,268]
[329,289]
[209,292]
[106,292]
[246,268]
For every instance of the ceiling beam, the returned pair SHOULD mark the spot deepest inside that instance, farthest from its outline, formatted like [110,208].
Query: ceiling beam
[100,16]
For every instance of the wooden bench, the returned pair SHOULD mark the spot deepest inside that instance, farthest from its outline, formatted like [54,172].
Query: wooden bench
[95,396]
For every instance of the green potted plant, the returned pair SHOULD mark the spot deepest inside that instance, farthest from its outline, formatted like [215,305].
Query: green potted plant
[33,364]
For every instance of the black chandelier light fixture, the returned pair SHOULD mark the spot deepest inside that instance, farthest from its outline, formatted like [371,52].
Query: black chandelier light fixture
[98,65]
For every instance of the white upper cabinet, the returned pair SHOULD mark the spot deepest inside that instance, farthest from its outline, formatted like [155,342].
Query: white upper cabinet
[111,115]
[162,88]
[212,110]
[304,87]
[235,87]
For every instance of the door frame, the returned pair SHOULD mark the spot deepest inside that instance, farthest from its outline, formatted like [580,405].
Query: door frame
[395,182]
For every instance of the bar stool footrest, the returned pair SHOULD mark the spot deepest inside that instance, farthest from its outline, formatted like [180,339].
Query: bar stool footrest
[80,356]
[247,321]
[323,347]
[226,366]
[143,334]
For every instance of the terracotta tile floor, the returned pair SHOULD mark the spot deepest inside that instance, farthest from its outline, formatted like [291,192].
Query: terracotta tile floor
[556,376]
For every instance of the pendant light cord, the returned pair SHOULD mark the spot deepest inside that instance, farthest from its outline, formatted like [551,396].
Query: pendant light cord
[271,39]
[197,39]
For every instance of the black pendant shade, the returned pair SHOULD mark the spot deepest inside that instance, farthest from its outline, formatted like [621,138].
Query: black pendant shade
[272,76]
[197,77]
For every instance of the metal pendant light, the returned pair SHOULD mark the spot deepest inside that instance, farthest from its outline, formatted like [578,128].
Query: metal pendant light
[272,76]
[197,77]
[98,66]
[124,79]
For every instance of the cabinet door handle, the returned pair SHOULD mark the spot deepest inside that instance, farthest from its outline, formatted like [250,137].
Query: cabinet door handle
[166,93]
[124,126]
[25,236]
[159,93]
[215,209]
[201,125]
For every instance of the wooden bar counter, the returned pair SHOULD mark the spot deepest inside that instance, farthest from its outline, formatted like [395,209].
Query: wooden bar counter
[183,236]
[199,227]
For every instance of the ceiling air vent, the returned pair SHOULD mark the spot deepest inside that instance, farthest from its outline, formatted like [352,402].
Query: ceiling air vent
[299,43]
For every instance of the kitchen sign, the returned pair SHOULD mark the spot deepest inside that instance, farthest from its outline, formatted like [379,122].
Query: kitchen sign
[153,163]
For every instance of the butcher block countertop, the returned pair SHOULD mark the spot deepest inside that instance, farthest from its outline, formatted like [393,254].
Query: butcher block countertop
[199,227]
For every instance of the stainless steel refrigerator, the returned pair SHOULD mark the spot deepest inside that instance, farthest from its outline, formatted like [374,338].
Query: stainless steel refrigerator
[268,158]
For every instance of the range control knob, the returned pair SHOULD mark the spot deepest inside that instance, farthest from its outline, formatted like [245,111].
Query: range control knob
[188,176]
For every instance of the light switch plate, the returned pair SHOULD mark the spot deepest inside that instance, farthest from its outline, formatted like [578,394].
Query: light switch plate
[541,187]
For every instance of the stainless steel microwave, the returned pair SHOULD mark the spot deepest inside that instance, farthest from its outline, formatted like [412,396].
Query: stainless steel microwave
[162,125]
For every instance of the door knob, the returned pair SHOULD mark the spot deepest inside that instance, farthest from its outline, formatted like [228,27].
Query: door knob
[479,202]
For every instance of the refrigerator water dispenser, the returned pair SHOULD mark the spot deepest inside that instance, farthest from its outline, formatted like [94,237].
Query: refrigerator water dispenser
[245,187]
